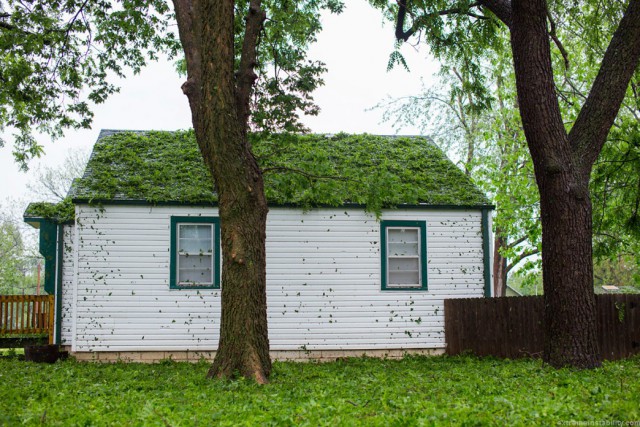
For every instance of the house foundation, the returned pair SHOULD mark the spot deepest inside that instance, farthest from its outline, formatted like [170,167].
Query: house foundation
[276,355]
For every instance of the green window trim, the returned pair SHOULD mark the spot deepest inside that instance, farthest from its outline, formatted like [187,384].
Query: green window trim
[173,251]
[422,233]
[486,250]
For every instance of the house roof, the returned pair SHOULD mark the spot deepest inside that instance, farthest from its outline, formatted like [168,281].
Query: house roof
[299,170]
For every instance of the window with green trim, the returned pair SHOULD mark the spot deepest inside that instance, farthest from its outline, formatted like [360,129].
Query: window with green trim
[404,255]
[195,253]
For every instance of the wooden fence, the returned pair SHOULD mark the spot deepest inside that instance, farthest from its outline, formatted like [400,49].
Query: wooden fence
[27,314]
[513,326]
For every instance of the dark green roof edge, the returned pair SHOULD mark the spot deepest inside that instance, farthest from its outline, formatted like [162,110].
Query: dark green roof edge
[129,202]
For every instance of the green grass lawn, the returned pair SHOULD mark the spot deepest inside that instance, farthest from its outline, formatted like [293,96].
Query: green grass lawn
[413,391]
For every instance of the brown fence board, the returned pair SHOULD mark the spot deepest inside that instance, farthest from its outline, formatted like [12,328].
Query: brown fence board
[512,327]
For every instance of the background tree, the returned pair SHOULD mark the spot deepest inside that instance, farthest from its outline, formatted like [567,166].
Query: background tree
[18,259]
[51,184]
[490,147]
[563,159]
[11,249]
[58,57]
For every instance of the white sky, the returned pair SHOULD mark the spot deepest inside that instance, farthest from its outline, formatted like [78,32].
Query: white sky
[355,46]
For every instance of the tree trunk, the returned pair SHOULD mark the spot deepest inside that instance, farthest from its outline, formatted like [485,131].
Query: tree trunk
[218,97]
[244,345]
[563,165]
[567,271]
[499,268]
[563,181]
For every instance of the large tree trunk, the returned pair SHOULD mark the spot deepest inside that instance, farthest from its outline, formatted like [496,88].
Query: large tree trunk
[219,101]
[567,271]
[563,165]
[570,326]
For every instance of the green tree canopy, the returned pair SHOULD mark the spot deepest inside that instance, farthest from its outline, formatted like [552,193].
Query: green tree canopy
[60,58]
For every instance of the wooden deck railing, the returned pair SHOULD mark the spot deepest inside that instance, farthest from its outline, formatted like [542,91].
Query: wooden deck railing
[27,314]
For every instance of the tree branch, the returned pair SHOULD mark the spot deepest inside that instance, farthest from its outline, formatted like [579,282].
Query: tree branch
[500,8]
[402,14]
[539,107]
[523,255]
[7,26]
[597,115]
[611,236]
[246,76]
[517,242]
[556,40]
[185,16]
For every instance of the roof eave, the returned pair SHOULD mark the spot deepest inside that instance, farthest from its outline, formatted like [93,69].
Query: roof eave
[142,202]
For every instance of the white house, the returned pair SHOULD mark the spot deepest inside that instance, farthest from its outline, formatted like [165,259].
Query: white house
[366,237]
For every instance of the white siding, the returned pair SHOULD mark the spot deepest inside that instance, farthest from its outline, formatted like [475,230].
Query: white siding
[323,281]
[67,284]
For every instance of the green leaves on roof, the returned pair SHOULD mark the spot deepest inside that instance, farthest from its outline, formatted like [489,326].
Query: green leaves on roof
[300,170]
[369,170]
[61,212]
[152,166]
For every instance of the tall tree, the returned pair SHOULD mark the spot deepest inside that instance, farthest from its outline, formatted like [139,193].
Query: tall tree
[56,52]
[219,100]
[563,159]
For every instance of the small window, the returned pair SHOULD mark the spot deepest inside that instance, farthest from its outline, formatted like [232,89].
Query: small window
[195,257]
[404,252]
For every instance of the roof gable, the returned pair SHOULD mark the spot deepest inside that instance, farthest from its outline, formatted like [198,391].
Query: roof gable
[300,170]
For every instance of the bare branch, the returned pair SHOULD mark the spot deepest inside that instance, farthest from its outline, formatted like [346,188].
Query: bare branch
[556,40]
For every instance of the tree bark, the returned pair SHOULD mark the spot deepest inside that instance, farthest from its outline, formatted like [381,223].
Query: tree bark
[499,268]
[218,98]
[567,266]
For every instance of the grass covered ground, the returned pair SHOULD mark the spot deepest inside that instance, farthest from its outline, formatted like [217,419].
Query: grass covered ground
[413,391]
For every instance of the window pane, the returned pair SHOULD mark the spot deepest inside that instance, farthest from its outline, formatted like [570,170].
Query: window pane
[404,264]
[195,239]
[188,231]
[403,278]
[403,249]
[402,235]
[403,242]
[195,269]
[404,271]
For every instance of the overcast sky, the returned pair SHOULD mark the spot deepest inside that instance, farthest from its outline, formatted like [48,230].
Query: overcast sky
[355,46]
